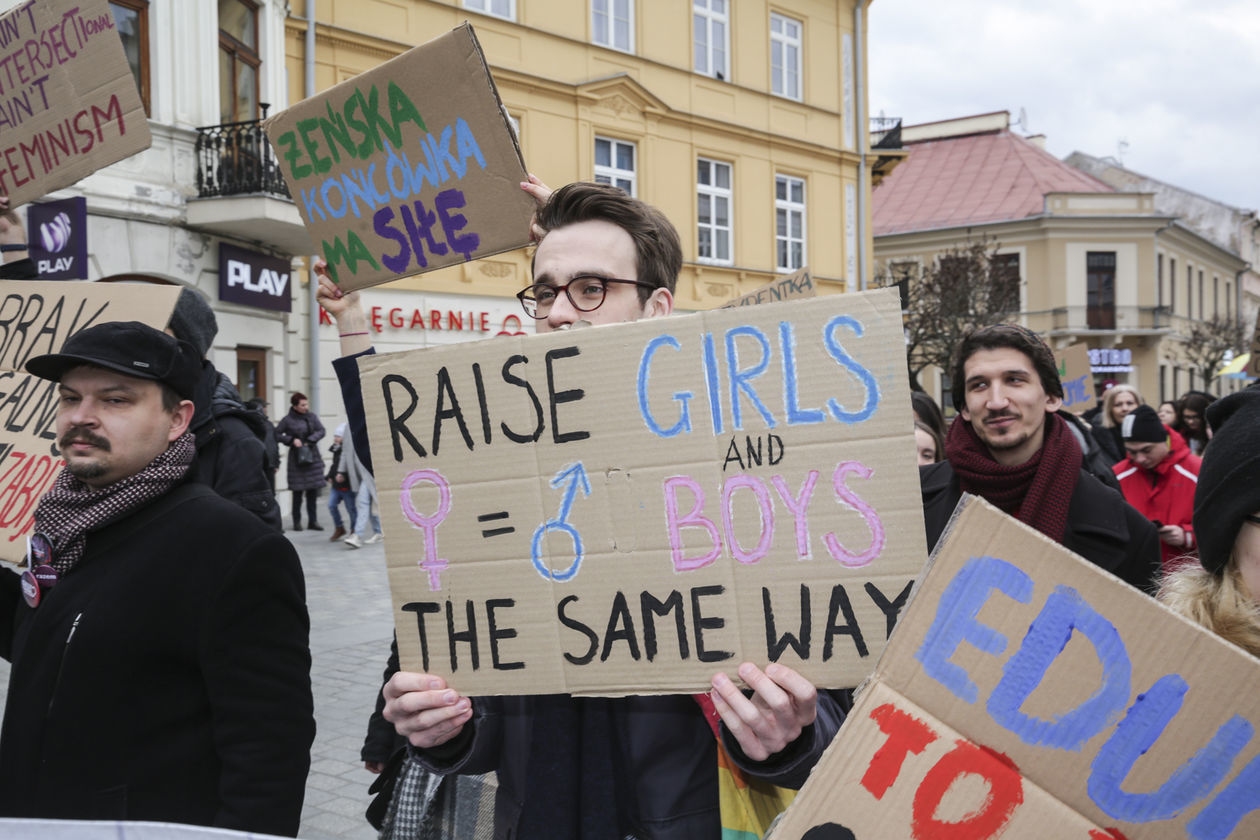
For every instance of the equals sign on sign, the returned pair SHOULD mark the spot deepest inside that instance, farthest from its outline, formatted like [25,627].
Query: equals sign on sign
[492,517]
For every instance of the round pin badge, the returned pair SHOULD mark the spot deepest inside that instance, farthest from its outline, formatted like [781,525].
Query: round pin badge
[30,589]
[41,550]
[46,576]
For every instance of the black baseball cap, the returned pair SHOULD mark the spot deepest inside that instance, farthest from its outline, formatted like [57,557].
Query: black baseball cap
[128,347]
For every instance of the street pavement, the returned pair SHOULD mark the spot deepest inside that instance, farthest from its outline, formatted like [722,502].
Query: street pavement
[351,627]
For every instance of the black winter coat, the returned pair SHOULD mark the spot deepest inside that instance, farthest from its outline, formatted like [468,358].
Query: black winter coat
[309,430]
[165,677]
[231,456]
[1102,527]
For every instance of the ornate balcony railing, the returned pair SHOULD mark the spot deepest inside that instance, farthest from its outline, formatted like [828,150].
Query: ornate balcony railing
[236,159]
[885,132]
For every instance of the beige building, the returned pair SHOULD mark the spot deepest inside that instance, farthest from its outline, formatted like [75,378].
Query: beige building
[1094,265]
[742,121]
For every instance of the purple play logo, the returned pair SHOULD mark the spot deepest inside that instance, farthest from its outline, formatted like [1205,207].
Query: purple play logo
[59,247]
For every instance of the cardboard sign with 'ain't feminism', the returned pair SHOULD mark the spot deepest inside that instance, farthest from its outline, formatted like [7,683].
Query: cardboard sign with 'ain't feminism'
[407,168]
[630,508]
[1027,694]
[68,101]
[37,318]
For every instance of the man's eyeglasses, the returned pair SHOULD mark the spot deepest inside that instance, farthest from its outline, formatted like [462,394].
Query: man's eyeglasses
[1251,517]
[586,293]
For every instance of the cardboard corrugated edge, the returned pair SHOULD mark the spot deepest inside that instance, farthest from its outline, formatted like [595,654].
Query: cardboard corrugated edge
[754,297]
[494,90]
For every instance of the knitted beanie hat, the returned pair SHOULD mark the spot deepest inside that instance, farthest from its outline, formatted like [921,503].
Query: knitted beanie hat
[1229,480]
[193,321]
[1142,426]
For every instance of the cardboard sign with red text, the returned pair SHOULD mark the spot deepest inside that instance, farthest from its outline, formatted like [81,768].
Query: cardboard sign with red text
[631,508]
[1027,694]
[406,168]
[37,318]
[68,101]
[1077,378]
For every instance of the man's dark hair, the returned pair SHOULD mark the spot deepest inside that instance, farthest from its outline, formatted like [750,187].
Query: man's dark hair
[658,254]
[1006,335]
[170,399]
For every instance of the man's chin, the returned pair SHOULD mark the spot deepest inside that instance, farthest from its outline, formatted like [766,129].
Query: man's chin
[86,470]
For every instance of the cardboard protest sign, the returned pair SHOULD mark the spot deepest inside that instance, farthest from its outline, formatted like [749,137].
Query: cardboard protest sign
[1028,694]
[407,168]
[68,101]
[630,508]
[1077,378]
[37,318]
[790,287]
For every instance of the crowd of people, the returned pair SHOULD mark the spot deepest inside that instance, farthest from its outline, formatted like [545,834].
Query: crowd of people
[159,554]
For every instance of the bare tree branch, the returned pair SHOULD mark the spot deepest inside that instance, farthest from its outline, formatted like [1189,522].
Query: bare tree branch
[1207,343]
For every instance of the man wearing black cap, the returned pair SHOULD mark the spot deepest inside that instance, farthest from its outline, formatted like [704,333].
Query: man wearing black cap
[231,454]
[1009,446]
[1158,478]
[158,640]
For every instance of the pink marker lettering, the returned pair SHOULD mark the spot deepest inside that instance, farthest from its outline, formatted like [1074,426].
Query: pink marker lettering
[693,519]
[428,524]
[759,490]
[848,497]
[799,508]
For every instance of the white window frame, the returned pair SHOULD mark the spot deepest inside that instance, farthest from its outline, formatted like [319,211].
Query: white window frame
[784,210]
[704,19]
[605,33]
[785,78]
[611,173]
[711,195]
[486,7]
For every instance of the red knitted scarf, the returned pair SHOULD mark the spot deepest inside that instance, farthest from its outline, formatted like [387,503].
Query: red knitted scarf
[1036,492]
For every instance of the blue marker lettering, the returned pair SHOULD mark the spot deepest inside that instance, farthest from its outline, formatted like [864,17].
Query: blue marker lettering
[956,623]
[712,385]
[739,378]
[1239,798]
[645,364]
[791,402]
[1145,722]
[864,375]
[1064,612]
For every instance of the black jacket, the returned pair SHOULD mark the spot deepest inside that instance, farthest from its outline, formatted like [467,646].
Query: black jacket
[166,677]
[1102,527]
[231,458]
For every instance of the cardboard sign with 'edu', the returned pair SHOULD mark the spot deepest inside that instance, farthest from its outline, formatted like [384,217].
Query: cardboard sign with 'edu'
[68,101]
[630,508]
[1027,694]
[1077,378]
[37,318]
[407,168]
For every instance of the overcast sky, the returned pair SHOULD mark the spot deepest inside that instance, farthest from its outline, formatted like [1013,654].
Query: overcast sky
[1178,80]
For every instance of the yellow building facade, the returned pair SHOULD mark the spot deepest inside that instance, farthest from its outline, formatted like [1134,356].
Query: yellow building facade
[1095,266]
[743,121]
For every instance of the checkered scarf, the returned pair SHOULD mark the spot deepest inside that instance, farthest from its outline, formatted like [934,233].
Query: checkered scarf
[71,509]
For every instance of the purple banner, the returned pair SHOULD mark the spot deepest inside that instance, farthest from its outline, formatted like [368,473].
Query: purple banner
[254,279]
[57,233]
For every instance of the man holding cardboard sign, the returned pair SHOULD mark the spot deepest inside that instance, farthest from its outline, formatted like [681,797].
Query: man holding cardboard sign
[644,766]
[1009,445]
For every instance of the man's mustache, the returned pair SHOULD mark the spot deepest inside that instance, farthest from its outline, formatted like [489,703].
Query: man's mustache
[83,436]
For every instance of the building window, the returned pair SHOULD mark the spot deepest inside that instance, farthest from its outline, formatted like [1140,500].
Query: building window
[505,9]
[1004,288]
[1190,291]
[238,61]
[1172,286]
[1100,273]
[614,164]
[1229,300]
[785,56]
[712,37]
[1202,311]
[1216,296]
[131,19]
[612,24]
[713,215]
[1159,280]
[789,212]
[251,372]
[902,274]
